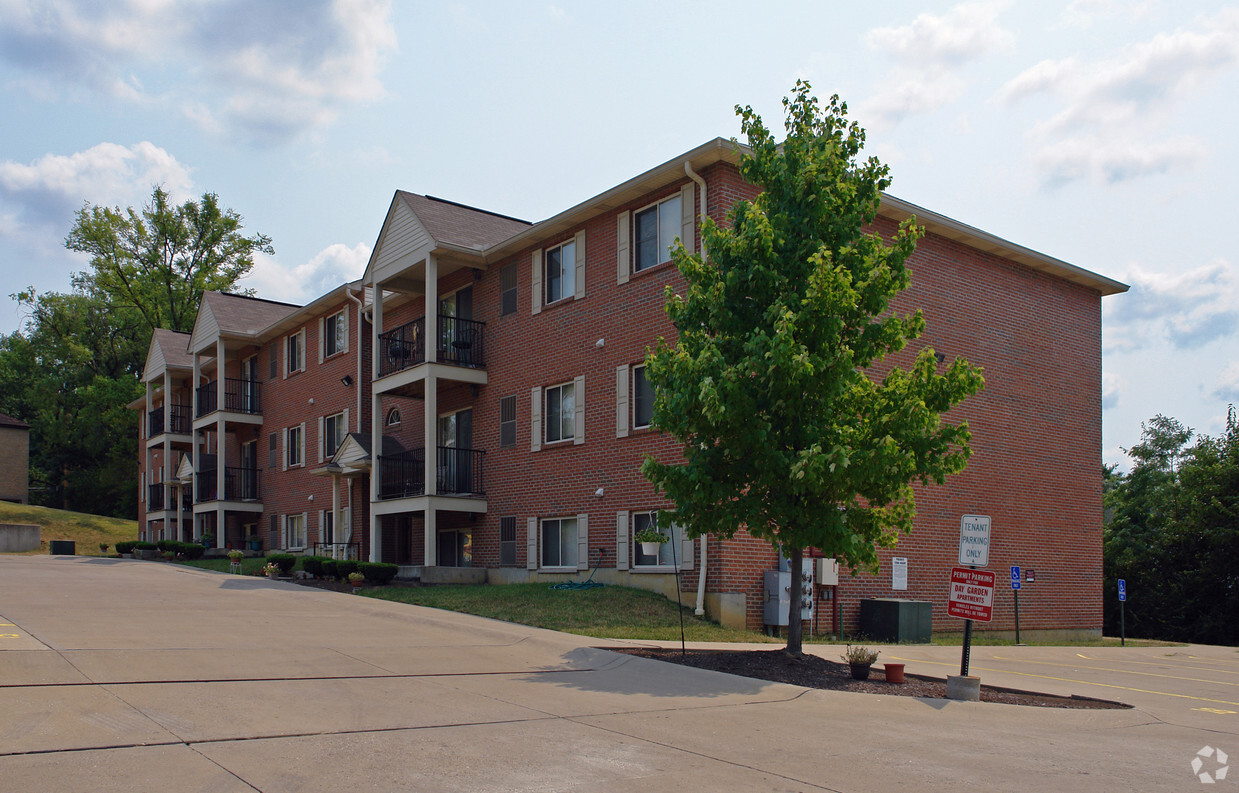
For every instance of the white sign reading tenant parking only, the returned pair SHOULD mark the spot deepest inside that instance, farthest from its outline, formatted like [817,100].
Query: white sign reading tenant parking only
[974,540]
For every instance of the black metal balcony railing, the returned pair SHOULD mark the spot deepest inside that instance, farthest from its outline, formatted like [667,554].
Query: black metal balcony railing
[458,341]
[240,396]
[178,420]
[338,550]
[155,498]
[240,484]
[458,472]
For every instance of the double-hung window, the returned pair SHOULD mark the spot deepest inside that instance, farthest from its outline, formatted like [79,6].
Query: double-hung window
[560,272]
[294,531]
[559,542]
[655,229]
[335,334]
[334,429]
[294,353]
[560,412]
[642,398]
[666,551]
[294,446]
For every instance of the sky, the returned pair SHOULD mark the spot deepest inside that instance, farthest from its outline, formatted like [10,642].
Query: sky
[1096,131]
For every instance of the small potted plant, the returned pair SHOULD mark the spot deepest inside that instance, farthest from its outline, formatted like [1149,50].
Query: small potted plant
[356,579]
[255,542]
[860,659]
[234,561]
[103,548]
[272,570]
[208,539]
[650,539]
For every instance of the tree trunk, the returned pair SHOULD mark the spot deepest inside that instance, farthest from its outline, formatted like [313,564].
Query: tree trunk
[794,624]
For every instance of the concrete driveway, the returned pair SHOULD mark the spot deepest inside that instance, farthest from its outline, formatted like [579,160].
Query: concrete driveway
[142,676]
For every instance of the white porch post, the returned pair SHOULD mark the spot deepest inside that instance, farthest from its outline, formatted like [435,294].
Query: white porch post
[220,495]
[195,449]
[335,513]
[432,547]
[376,421]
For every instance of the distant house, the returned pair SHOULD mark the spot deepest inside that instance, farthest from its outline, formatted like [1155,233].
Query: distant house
[14,460]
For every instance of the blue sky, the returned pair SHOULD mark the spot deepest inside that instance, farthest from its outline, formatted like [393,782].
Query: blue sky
[1096,131]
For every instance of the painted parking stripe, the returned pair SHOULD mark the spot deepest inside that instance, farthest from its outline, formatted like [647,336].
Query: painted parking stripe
[1071,680]
[1120,671]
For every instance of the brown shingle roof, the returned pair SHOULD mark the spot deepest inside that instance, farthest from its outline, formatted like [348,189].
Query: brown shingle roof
[457,224]
[175,347]
[247,315]
[9,421]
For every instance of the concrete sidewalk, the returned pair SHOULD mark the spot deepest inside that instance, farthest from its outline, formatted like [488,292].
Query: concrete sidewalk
[136,676]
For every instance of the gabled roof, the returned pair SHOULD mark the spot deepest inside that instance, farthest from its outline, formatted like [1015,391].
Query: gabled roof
[9,421]
[245,315]
[356,449]
[169,349]
[456,224]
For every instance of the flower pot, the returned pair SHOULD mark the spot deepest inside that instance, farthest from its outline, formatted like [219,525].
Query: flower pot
[650,548]
[255,545]
[894,672]
[860,671]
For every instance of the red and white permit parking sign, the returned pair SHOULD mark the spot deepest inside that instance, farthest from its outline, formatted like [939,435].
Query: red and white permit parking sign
[972,594]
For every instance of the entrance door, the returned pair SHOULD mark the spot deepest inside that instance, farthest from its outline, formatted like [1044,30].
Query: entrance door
[455,327]
[249,471]
[455,548]
[249,385]
[455,473]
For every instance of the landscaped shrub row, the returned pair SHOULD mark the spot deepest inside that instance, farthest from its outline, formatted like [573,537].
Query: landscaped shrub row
[378,572]
[125,546]
[144,546]
[284,560]
[183,550]
[325,567]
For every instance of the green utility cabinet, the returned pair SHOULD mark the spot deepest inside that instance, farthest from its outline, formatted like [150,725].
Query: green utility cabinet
[894,620]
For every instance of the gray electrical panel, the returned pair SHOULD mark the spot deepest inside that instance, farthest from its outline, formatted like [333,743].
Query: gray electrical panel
[777,594]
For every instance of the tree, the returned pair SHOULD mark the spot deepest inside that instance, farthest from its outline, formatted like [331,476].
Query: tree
[160,261]
[784,432]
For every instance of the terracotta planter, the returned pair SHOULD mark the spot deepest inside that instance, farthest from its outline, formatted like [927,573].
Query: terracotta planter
[860,671]
[894,673]
[650,548]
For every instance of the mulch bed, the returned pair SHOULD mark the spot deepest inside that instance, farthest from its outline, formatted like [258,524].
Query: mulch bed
[812,671]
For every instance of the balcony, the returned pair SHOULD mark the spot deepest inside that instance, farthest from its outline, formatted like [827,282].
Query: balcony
[178,420]
[458,472]
[240,484]
[240,396]
[155,498]
[459,341]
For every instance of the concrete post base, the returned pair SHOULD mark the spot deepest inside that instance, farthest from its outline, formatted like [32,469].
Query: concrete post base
[967,689]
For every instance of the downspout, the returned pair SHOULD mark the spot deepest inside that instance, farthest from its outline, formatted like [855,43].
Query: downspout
[360,347]
[701,576]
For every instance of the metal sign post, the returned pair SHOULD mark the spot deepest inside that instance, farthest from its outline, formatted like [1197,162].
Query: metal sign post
[1015,593]
[974,531]
[1122,612]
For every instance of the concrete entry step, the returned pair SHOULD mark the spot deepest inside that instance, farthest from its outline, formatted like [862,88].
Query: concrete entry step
[442,575]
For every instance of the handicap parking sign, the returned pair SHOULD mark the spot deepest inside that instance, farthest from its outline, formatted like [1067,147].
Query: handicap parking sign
[1015,576]
[1122,590]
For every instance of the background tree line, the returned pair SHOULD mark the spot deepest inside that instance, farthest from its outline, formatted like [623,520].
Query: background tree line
[77,363]
[1172,532]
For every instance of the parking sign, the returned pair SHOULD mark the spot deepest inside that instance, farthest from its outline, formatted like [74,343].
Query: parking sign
[1122,590]
[1015,576]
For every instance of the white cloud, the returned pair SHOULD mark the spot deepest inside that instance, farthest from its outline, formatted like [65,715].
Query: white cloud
[45,193]
[930,52]
[334,265]
[1113,161]
[1111,385]
[1228,383]
[1189,309]
[1084,13]
[269,71]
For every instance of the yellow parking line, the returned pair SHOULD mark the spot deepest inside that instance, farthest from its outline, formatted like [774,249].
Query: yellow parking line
[1081,682]
[1169,662]
[1120,671]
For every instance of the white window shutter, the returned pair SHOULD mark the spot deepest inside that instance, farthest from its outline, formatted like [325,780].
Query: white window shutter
[621,401]
[578,395]
[301,443]
[623,261]
[322,524]
[284,531]
[582,542]
[688,216]
[535,268]
[531,544]
[322,437]
[535,419]
[345,348]
[621,540]
[579,248]
[686,550]
[322,339]
[285,448]
[346,426]
[284,346]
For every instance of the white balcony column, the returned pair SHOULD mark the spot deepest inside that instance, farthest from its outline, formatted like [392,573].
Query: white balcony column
[150,405]
[376,328]
[335,513]
[220,459]
[376,446]
[432,546]
[430,431]
[431,333]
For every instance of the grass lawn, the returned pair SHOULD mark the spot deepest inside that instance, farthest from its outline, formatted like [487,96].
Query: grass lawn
[57,524]
[250,565]
[610,612]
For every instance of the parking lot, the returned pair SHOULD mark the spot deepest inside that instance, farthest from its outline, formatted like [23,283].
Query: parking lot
[137,676]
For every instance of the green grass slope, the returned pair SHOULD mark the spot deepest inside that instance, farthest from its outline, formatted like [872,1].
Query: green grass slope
[58,524]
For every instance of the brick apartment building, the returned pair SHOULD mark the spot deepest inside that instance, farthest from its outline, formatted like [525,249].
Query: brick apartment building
[308,428]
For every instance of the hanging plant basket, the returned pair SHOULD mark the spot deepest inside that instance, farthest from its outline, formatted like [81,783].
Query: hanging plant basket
[650,548]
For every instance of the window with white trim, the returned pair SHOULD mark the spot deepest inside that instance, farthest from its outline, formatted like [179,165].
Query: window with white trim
[642,398]
[294,531]
[560,412]
[654,231]
[335,334]
[393,417]
[507,422]
[667,552]
[334,429]
[559,271]
[559,542]
[507,286]
[294,353]
[294,446]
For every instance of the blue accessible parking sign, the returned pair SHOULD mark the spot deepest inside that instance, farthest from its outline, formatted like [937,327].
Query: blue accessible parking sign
[1122,590]
[1015,576]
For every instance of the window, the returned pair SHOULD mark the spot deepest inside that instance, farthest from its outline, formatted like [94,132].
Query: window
[667,552]
[294,357]
[655,229]
[294,531]
[560,267]
[273,457]
[560,413]
[334,429]
[275,532]
[507,285]
[507,542]
[559,542]
[294,446]
[274,364]
[642,398]
[335,334]
[393,417]
[507,423]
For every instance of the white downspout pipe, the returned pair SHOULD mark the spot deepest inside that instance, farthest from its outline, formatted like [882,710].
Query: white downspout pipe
[701,575]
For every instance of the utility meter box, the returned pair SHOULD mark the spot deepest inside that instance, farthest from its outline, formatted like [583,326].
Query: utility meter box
[777,595]
[827,572]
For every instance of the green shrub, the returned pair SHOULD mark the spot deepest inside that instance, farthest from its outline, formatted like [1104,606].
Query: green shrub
[313,565]
[378,572]
[344,567]
[328,567]
[126,546]
[166,545]
[284,560]
[145,546]
[190,550]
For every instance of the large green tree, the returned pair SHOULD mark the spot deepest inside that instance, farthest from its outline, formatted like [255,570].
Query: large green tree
[785,430]
[75,366]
